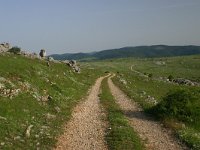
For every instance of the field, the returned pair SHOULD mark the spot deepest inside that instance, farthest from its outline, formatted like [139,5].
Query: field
[37,98]
[145,81]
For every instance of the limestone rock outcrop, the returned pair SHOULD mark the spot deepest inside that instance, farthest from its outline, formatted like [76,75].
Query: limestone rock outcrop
[4,47]
[42,53]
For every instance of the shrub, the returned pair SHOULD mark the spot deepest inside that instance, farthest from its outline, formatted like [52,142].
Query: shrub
[170,77]
[15,50]
[183,105]
[150,75]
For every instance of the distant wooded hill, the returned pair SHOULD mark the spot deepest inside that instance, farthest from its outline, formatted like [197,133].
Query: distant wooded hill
[138,51]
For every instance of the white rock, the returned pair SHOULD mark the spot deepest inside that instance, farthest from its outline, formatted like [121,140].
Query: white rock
[2,143]
[28,131]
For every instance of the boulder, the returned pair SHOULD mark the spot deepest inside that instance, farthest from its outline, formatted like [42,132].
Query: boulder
[42,53]
[76,69]
[72,62]
[73,65]
[184,81]
[28,131]
[50,116]
[29,55]
[65,62]
[4,47]
[160,63]
[50,59]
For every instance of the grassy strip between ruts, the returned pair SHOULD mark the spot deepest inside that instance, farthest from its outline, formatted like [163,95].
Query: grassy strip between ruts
[120,135]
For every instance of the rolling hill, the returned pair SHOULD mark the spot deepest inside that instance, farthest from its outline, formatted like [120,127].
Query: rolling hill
[138,51]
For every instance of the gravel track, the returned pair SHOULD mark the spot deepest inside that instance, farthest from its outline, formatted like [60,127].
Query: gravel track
[151,132]
[86,129]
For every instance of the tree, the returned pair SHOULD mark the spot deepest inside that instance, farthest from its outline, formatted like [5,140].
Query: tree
[15,50]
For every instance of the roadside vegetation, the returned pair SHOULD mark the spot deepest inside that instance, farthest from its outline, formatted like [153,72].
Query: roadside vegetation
[177,106]
[15,50]
[36,98]
[120,134]
[183,106]
[147,81]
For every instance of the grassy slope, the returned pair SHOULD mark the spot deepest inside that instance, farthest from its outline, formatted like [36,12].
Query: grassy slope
[121,135]
[184,66]
[190,134]
[62,85]
[139,88]
[35,79]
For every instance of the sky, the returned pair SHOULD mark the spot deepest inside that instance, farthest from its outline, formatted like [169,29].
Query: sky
[70,26]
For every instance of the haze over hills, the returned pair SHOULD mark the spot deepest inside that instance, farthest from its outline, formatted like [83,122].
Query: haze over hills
[138,51]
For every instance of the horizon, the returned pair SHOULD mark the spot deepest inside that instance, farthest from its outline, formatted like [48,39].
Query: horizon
[120,48]
[91,26]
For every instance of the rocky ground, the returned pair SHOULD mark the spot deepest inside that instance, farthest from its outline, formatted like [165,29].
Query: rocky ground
[86,129]
[151,132]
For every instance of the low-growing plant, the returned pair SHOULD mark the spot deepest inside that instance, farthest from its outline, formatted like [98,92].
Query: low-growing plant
[120,134]
[150,75]
[179,104]
[43,91]
[145,73]
[15,50]
[170,77]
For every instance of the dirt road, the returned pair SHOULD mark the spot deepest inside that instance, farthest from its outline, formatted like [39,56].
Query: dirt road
[86,129]
[150,131]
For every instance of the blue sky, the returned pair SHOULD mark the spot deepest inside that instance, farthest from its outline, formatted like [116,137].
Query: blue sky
[66,26]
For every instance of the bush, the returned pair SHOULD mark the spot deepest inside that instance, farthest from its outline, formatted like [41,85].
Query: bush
[150,75]
[170,77]
[15,50]
[183,105]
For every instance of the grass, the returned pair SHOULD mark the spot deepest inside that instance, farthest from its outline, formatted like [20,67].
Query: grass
[149,91]
[191,137]
[35,80]
[184,107]
[137,85]
[184,66]
[134,89]
[121,135]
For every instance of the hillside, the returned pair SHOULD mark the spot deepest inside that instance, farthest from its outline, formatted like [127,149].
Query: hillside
[151,82]
[43,103]
[36,99]
[139,52]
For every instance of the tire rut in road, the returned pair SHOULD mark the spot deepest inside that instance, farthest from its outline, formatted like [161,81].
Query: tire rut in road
[151,132]
[86,129]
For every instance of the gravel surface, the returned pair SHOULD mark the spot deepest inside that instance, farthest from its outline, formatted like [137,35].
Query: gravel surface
[151,132]
[86,129]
